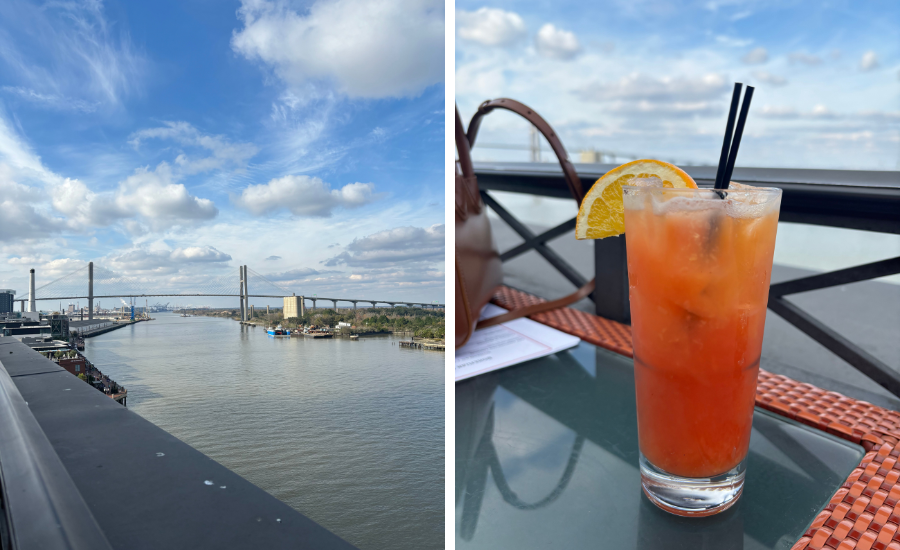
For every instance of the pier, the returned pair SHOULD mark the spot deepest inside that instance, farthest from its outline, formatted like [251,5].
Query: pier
[96,327]
[427,343]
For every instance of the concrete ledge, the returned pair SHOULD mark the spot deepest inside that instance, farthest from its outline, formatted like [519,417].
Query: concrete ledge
[146,488]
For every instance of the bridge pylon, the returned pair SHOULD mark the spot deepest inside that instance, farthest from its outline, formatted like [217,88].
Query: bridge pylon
[90,291]
[246,296]
[241,298]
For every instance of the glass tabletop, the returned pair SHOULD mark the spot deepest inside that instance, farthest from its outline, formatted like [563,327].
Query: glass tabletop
[547,457]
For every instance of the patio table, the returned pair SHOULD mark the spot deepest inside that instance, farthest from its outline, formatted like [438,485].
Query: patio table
[547,457]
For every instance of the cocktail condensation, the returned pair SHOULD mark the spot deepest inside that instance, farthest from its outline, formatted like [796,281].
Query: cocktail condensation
[699,265]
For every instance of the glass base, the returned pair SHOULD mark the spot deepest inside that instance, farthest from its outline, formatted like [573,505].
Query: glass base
[689,496]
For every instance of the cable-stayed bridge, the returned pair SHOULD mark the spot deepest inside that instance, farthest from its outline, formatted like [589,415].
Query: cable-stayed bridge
[95,282]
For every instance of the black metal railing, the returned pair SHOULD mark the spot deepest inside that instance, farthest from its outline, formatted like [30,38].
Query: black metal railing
[850,199]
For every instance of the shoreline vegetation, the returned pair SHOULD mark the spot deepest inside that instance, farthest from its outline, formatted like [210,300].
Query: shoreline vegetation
[421,323]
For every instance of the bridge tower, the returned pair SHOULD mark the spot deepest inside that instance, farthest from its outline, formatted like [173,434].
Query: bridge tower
[241,275]
[90,291]
[246,295]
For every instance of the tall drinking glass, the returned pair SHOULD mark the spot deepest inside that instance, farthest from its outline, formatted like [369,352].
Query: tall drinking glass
[699,267]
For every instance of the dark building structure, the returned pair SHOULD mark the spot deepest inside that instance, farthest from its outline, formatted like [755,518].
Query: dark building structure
[6,300]
[59,327]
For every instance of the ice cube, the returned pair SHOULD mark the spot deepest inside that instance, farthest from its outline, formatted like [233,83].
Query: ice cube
[652,181]
[743,204]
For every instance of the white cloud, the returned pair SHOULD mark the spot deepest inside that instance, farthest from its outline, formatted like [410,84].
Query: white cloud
[365,49]
[194,254]
[490,26]
[677,109]
[805,58]
[224,153]
[869,61]
[47,270]
[24,214]
[556,43]
[68,55]
[637,87]
[756,56]
[295,275]
[648,99]
[152,196]
[155,196]
[778,111]
[164,260]
[733,42]
[822,112]
[770,78]
[23,222]
[304,196]
[84,207]
[18,160]
[394,246]
[52,101]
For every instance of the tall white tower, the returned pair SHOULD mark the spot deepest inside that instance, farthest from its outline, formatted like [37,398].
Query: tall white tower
[31,292]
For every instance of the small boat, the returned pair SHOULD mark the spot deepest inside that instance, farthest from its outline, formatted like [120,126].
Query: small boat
[354,336]
[278,331]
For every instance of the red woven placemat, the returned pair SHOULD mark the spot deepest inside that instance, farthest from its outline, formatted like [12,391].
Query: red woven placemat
[590,328]
[864,514]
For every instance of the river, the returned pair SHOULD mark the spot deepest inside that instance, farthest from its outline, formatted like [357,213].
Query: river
[349,433]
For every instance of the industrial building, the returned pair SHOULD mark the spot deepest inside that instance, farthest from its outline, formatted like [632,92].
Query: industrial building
[6,300]
[294,307]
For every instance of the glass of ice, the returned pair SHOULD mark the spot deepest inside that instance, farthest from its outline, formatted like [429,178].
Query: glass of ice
[699,264]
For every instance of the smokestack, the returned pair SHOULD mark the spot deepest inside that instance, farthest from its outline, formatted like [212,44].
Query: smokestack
[31,292]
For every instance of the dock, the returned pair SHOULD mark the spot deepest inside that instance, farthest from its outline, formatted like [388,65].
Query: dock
[88,329]
[427,343]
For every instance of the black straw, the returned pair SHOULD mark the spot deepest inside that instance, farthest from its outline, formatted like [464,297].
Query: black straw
[738,132]
[726,142]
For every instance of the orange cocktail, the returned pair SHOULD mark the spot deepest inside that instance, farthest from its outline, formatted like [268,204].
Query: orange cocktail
[699,268]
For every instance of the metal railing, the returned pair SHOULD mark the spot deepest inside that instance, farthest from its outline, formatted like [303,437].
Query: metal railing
[850,199]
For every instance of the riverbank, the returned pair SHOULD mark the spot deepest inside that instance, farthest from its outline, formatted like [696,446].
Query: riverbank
[421,323]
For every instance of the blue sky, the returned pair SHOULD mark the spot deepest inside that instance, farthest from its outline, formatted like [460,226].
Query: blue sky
[169,140]
[653,78]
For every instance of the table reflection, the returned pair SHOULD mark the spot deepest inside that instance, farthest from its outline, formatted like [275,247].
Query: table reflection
[547,456]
